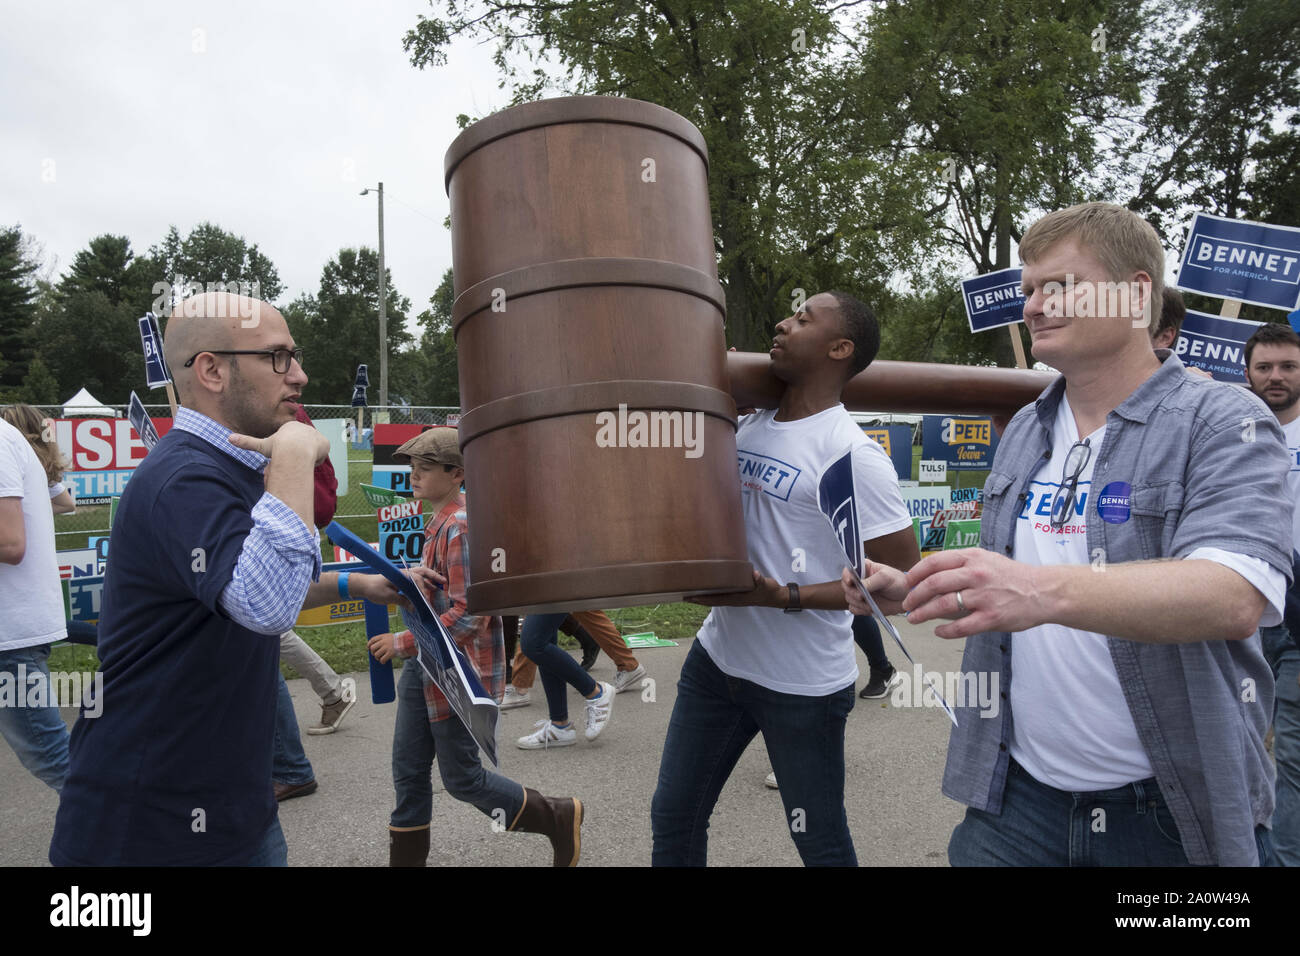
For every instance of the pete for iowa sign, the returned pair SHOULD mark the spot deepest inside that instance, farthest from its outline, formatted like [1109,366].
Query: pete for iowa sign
[966,444]
[103,452]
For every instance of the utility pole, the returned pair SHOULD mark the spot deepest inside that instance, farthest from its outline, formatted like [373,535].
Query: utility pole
[383,309]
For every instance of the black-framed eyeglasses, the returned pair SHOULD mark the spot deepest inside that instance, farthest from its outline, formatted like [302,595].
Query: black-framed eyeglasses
[1076,459]
[280,358]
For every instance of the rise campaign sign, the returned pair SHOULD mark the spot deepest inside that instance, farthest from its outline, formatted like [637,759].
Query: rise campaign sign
[966,444]
[1215,344]
[103,453]
[1237,259]
[993,299]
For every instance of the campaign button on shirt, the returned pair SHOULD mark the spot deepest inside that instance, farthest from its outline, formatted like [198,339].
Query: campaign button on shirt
[1113,502]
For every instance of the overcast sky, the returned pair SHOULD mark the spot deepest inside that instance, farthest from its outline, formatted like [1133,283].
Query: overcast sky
[266,118]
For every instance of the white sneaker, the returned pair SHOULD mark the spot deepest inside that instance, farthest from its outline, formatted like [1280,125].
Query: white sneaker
[627,680]
[599,709]
[770,782]
[514,698]
[547,736]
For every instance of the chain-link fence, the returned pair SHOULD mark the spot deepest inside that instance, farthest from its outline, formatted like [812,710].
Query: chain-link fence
[74,531]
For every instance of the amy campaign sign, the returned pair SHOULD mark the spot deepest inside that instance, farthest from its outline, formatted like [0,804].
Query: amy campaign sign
[966,444]
[993,299]
[1215,344]
[1237,259]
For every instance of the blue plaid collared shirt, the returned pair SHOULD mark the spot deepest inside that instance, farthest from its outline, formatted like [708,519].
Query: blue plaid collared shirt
[281,555]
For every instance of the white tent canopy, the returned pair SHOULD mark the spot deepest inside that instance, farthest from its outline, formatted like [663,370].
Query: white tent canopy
[83,403]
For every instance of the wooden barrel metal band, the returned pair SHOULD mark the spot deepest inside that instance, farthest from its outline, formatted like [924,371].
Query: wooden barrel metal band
[568,111]
[583,273]
[593,397]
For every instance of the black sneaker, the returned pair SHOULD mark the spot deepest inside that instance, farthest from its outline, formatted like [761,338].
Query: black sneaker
[880,684]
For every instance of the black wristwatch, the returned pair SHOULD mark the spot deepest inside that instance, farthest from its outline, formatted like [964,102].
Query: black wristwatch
[793,607]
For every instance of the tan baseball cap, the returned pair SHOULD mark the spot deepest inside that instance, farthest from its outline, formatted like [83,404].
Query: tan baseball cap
[439,445]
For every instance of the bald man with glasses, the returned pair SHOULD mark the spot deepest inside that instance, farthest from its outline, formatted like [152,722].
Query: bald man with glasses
[214,554]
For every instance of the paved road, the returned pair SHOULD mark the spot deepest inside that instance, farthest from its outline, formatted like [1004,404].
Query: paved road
[894,758]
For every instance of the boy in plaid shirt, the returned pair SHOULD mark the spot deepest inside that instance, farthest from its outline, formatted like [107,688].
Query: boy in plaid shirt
[426,726]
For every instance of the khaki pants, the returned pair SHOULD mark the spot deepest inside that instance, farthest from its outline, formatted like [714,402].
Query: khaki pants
[602,631]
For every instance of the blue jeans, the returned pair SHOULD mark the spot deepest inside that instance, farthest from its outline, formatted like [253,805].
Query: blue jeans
[1042,826]
[539,644]
[289,763]
[273,851]
[417,741]
[866,632]
[37,734]
[714,719]
[1282,655]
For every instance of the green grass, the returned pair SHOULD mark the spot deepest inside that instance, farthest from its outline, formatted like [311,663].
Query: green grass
[343,646]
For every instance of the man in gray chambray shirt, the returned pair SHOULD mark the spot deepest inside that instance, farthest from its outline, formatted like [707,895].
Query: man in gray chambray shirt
[1134,693]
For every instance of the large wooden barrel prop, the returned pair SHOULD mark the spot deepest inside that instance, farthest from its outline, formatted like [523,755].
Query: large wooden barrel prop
[886,386]
[597,426]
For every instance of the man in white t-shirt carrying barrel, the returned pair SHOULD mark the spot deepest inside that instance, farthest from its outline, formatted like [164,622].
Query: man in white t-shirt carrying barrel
[1273,372]
[779,660]
[1135,692]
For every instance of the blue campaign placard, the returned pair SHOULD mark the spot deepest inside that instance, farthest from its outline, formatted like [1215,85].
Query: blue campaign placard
[439,655]
[1215,344]
[896,440]
[155,366]
[966,444]
[993,299]
[141,422]
[1237,259]
[836,500]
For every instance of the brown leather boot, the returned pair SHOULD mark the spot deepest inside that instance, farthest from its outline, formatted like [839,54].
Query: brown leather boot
[408,846]
[559,818]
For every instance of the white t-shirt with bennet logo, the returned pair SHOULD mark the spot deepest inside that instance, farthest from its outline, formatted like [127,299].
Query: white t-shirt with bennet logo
[810,653]
[1072,729]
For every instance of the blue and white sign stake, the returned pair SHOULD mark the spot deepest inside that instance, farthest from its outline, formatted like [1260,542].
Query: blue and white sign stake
[993,300]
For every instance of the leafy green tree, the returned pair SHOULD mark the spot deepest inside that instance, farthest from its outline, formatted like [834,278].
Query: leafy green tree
[1223,74]
[17,309]
[108,265]
[441,382]
[87,334]
[209,254]
[806,192]
[338,328]
[88,341]
[40,386]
